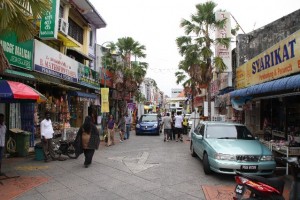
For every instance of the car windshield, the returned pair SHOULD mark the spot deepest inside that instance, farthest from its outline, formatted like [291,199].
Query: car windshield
[149,118]
[229,132]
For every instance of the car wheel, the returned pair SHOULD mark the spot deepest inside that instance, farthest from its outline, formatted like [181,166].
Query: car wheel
[192,150]
[206,165]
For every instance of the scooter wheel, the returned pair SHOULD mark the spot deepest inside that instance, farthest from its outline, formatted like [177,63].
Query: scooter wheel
[71,151]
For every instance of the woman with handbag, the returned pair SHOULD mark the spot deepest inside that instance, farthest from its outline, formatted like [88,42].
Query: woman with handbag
[87,140]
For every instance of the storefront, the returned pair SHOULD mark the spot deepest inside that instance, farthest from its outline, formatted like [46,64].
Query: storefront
[268,88]
[69,86]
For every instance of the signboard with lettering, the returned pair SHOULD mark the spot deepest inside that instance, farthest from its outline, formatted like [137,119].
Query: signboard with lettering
[17,54]
[88,77]
[225,32]
[53,63]
[104,100]
[49,22]
[280,60]
[106,78]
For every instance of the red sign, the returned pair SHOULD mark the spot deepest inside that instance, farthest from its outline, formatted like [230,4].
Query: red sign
[198,101]
[106,78]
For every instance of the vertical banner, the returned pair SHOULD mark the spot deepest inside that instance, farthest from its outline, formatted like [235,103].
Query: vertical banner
[49,22]
[104,100]
[225,32]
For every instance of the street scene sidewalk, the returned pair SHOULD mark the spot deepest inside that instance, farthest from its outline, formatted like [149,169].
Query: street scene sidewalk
[143,167]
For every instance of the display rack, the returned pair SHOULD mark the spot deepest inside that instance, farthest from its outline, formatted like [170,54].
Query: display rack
[279,134]
[283,149]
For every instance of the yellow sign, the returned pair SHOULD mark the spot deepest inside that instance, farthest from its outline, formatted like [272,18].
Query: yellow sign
[104,100]
[278,61]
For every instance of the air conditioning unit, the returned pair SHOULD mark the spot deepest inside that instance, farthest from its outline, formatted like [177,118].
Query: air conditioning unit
[63,26]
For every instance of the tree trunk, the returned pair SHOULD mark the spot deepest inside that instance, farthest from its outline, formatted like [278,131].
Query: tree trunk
[209,101]
[4,64]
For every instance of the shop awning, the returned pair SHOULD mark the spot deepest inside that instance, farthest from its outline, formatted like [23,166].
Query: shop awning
[83,94]
[67,41]
[52,81]
[78,53]
[279,85]
[18,74]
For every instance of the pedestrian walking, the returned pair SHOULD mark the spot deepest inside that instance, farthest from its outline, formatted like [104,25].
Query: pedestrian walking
[167,124]
[173,126]
[178,126]
[87,140]
[2,140]
[110,131]
[128,126]
[46,137]
[185,124]
[122,127]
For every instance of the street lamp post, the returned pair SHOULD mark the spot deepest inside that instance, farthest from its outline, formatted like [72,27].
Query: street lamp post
[103,73]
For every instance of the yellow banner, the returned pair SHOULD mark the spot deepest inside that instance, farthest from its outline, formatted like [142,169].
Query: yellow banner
[278,61]
[104,100]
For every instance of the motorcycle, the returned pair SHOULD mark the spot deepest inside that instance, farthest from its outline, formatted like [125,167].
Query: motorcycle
[268,188]
[64,147]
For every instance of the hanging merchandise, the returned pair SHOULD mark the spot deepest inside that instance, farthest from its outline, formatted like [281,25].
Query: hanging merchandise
[59,110]
[27,120]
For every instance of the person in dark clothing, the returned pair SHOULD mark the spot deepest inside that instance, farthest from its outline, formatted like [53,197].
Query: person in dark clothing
[87,140]
[173,134]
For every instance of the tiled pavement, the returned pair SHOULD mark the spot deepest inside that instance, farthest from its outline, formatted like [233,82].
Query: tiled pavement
[143,167]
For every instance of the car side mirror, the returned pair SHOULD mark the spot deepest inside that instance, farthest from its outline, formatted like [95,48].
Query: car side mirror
[199,137]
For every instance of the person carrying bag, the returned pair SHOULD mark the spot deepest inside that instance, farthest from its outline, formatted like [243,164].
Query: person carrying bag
[87,140]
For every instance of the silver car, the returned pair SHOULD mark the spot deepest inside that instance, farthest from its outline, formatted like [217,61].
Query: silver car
[229,148]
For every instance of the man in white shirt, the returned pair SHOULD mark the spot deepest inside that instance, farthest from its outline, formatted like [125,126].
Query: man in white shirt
[178,125]
[46,137]
[2,139]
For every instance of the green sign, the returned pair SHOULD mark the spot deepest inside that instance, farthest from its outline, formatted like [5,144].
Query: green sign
[49,22]
[17,54]
[88,77]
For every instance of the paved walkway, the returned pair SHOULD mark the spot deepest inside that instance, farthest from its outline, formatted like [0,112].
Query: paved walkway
[143,167]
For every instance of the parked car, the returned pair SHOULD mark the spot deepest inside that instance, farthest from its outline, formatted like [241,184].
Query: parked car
[148,124]
[229,148]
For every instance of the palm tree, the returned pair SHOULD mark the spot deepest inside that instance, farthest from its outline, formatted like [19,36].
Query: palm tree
[196,46]
[128,74]
[14,17]
[127,47]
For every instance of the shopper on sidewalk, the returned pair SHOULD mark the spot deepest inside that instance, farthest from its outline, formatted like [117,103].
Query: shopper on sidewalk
[167,124]
[122,127]
[87,140]
[178,126]
[128,126]
[46,137]
[173,134]
[110,131]
[185,124]
[2,139]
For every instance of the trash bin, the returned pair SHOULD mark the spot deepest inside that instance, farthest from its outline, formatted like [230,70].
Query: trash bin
[22,143]
[38,150]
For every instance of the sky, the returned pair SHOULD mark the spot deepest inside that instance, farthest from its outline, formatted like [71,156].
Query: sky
[155,24]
